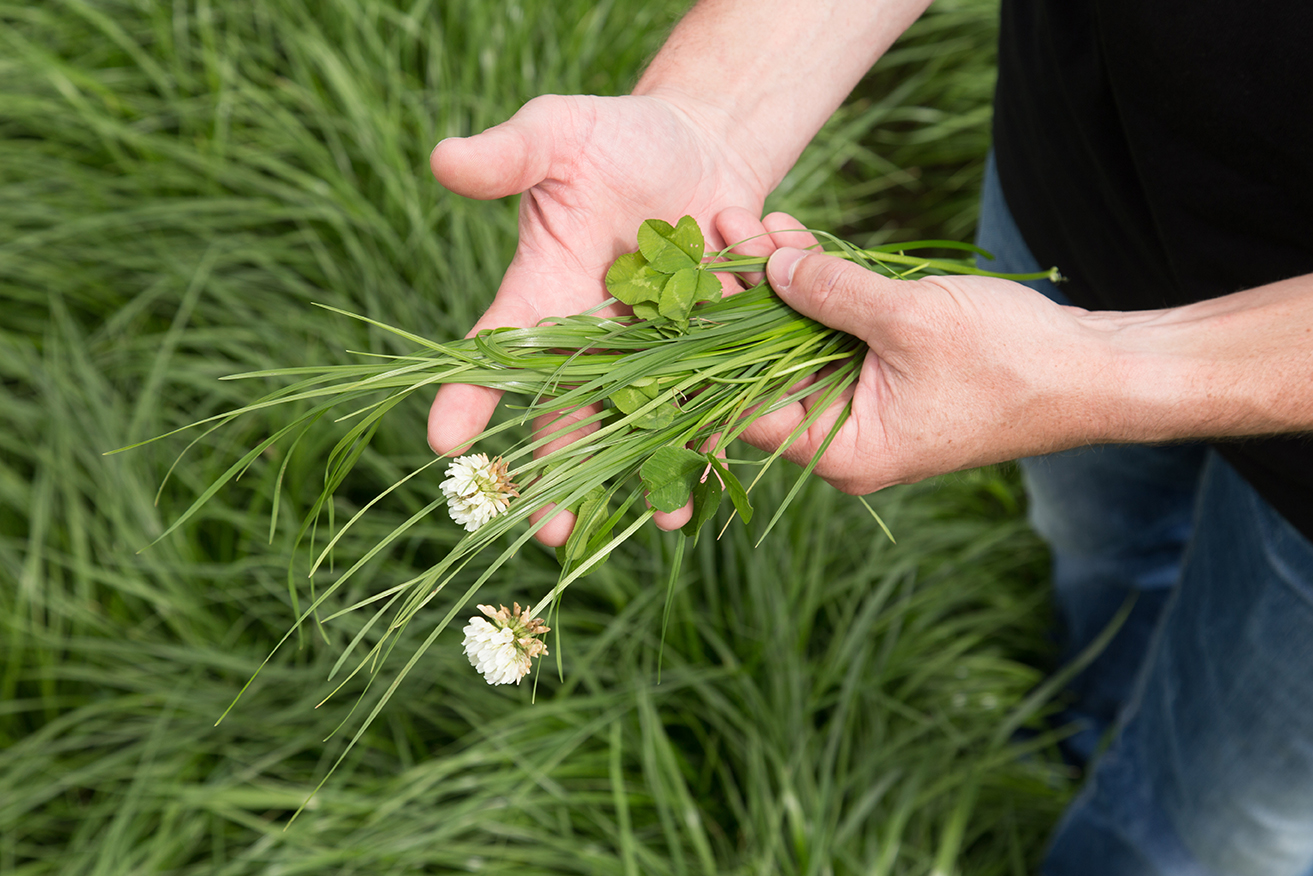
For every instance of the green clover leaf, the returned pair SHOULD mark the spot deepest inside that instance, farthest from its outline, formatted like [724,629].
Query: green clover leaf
[668,248]
[670,474]
[632,280]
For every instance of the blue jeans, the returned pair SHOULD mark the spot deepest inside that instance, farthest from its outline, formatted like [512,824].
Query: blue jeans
[1204,698]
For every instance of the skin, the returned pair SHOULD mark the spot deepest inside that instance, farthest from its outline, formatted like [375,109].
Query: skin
[961,371]
[965,371]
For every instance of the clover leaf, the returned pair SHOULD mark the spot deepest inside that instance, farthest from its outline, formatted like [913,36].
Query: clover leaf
[666,277]
[669,476]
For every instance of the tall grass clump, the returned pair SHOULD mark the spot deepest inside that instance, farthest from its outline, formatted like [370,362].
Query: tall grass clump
[178,183]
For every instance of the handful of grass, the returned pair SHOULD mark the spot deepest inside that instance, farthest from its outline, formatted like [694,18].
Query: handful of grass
[667,390]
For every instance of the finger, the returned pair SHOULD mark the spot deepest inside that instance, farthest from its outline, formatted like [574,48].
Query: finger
[560,523]
[775,429]
[761,237]
[460,412]
[560,425]
[750,236]
[503,160]
[830,290]
[787,231]
[770,431]
[669,522]
[494,164]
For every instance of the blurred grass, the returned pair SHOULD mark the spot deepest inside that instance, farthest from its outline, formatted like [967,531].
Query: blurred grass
[178,182]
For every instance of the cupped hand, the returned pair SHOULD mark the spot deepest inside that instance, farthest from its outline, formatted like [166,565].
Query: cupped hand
[960,371]
[591,169]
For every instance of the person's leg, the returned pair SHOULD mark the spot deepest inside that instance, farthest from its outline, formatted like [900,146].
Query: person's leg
[1115,517]
[1212,770]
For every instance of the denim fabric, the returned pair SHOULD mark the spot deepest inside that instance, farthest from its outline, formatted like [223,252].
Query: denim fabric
[1208,685]
[1116,518]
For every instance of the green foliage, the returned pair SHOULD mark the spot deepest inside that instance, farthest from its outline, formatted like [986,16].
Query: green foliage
[178,182]
[632,280]
[593,530]
[668,248]
[629,399]
[666,272]
[670,475]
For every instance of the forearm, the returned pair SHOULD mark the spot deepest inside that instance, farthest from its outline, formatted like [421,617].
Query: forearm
[766,74]
[1237,365]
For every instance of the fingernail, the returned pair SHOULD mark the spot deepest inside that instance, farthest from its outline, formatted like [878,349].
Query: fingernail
[780,267]
[440,142]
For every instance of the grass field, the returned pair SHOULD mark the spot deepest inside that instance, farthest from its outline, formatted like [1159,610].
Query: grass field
[179,183]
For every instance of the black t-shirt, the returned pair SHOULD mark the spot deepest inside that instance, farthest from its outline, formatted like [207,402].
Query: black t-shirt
[1160,152]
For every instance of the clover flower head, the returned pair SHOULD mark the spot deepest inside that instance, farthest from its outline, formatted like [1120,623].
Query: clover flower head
[477,489]
[503,647]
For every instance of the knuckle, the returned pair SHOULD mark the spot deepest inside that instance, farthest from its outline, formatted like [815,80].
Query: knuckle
[834,288]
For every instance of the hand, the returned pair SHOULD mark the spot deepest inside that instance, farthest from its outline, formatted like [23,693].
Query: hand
[960,372]
[591,170]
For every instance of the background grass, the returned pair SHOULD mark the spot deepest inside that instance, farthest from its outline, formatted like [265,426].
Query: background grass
[178,183]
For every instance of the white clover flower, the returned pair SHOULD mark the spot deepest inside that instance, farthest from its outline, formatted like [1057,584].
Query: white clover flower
[477,489]
[503,649]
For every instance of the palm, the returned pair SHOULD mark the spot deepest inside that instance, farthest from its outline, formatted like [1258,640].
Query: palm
[617,162]
[591,170]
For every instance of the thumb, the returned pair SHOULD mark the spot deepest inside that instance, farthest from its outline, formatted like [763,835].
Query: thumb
[503,160]
[830,290]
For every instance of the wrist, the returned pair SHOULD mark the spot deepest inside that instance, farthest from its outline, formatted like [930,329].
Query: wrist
[1227,367]
[1142,385]
[764,76]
